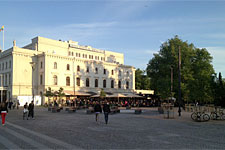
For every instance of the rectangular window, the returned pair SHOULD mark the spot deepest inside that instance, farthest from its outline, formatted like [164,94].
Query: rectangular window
[9,78]
[104,71]
[5,79]
[10,64]
[41,80]
[78,81]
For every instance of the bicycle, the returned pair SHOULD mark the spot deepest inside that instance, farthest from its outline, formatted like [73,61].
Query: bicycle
[216,115]
[200,116]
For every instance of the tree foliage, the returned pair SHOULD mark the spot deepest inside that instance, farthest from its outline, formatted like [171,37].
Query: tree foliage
[142,81]
[196,71]
[218,90]
[102,94]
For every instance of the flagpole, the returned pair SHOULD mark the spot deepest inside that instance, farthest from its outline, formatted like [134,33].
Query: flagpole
[3,40]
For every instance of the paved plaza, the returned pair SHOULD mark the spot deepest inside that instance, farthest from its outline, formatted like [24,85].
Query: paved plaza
[125,130]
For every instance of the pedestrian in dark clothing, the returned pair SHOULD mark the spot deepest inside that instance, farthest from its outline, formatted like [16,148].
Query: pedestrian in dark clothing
[106,109]
[10,105]
[31,109]
[98,110]
[4,111]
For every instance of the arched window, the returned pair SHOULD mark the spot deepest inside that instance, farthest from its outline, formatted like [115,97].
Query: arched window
[68,67]
[104,83]
[41,64]
[127,73]
[78,81]
[78,68]
[96,82]
[55,80]
[87,82]
[67,81]
[119,72]
[112,83]
[87,69]
[96,70]
[119,84]
[55,65]
[127,85]
[112,72]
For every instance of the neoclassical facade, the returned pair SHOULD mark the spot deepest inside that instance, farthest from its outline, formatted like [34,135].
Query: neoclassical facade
[79,70]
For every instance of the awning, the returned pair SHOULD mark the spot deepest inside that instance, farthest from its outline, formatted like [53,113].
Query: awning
[78,93]
[132,95]
[116,95]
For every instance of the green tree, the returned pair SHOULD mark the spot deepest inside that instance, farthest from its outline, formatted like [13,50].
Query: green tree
[196,71]
[219,92]
[142,81]
[102,94]
[60,94]
[49,93]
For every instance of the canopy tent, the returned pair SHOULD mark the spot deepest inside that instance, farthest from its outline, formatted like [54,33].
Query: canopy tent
[115,95]
[131,95]
[76,93]
[118,95]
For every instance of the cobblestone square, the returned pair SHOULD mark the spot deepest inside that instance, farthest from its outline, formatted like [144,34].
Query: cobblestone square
[79,130]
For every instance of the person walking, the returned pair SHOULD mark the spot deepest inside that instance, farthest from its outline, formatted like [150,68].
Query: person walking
[4,111]
[25,111]
[31,110]
[98,110]
[106,109]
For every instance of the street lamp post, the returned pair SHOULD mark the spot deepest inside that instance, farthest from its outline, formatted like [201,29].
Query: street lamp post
[171,80]
[33,67]
[179,85]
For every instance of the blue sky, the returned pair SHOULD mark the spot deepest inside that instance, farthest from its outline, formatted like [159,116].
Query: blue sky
[136,28]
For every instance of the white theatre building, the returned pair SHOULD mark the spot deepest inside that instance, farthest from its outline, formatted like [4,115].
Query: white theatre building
[79,70]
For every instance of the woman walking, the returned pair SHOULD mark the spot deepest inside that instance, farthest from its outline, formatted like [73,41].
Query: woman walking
[4,111]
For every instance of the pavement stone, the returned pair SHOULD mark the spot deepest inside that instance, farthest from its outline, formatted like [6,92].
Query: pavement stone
[149,130]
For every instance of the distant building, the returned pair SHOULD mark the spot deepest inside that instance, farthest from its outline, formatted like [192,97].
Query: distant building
[79,70]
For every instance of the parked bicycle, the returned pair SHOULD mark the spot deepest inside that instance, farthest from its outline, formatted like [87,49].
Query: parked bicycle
[200,116]
[216,115]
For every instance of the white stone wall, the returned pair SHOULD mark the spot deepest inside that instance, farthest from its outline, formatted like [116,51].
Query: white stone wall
[45,52]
